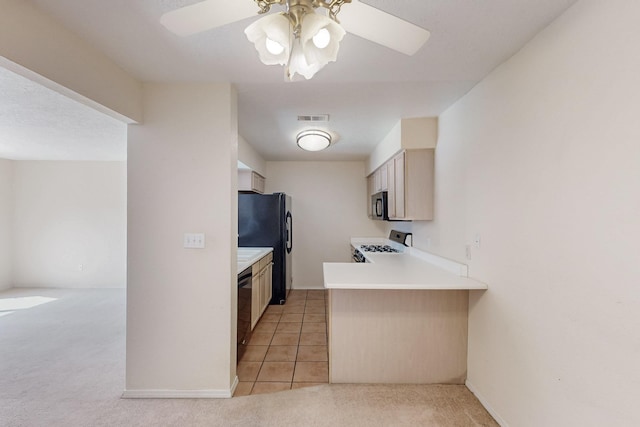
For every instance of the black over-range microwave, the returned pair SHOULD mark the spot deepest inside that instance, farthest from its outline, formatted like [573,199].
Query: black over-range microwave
[379,206]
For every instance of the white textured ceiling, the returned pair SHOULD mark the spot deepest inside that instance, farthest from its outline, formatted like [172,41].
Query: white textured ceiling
[366,91]
[37,123]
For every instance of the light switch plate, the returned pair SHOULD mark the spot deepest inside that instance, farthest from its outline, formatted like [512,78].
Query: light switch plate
[194,240]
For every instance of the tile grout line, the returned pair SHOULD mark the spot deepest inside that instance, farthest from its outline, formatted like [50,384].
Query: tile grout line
[295,364]
[270,345]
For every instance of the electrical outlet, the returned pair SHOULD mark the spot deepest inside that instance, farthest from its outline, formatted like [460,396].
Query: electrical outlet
[194,240]
[467,250]
[476,241]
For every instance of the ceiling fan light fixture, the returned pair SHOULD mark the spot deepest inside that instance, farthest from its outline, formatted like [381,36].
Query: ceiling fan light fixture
[274,35]
[300,39]
[320,39]
[313,140]
[298,63]
[270,36]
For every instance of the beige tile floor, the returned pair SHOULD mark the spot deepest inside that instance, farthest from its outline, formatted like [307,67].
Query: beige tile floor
[288,347]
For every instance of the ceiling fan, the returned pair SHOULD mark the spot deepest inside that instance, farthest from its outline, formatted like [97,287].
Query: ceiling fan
[306,35]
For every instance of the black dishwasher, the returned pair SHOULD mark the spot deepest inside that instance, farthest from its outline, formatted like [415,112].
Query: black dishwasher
[244,310]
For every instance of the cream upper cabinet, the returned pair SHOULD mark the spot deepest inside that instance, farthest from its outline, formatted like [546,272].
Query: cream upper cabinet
[384,182]
[249,180]
[399,187]
[378,181]
[411,185]
[371,184]
[391,191]
[369,194]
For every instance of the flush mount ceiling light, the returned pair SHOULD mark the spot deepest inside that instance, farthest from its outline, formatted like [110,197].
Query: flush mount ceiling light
[300,38]
[313,140]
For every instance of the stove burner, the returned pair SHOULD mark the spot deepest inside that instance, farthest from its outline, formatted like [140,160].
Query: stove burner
[378,248]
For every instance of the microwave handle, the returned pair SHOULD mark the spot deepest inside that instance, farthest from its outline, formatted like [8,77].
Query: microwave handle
[378,207]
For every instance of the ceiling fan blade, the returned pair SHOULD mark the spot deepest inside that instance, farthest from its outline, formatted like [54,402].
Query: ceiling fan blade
[382,28]
[206,15]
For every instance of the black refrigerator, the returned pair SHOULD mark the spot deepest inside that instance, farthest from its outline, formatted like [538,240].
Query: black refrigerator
[264,220]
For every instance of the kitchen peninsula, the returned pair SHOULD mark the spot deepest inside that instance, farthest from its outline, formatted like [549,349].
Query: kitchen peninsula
[398,318]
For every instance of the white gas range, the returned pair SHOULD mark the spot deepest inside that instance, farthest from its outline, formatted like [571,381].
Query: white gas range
[395,244]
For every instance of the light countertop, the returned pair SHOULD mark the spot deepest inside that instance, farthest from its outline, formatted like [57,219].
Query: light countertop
[249,256]
[412,269]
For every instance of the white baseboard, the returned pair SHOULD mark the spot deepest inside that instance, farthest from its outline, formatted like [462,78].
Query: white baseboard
[181,394]
[486,404]
[234,385]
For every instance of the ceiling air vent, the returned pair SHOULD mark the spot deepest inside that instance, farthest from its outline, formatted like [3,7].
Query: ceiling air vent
[314,118]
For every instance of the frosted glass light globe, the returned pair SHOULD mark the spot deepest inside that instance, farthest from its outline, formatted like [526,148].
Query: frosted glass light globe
[274,47]
[313,140]
[322,38]
[270,36]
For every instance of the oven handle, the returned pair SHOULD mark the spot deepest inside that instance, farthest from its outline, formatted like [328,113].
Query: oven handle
[358,256]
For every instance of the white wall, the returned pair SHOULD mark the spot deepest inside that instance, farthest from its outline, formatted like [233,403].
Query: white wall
[386,149]
[6,214]
[329,207]
[182,303]
[542,158]
[250,157]
[69,224]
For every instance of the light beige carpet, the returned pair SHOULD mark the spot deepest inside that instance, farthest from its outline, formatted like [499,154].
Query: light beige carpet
[62,364]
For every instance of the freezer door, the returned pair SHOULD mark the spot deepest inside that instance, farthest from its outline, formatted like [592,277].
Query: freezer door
[262,221]
[259,220]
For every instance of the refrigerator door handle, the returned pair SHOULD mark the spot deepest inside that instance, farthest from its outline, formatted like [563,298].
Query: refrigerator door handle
[289,221]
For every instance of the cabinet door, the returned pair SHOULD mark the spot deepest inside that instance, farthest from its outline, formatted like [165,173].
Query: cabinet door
[391,189]
[255,298]
[257,182]
[371,185]
[383,178]
[265,281]
[244,180]
[398,175]
[263,292]
[265,288]
[268,274]
[370,192]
